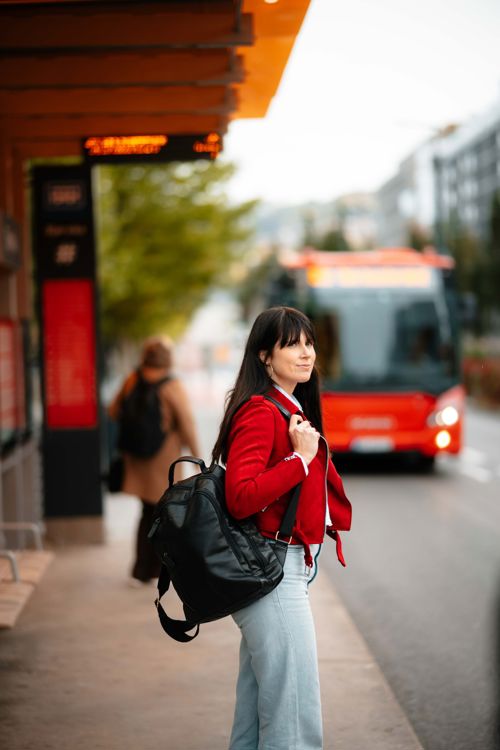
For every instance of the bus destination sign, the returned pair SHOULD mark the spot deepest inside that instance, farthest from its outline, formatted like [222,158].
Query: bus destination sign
[372,277]
[120,149]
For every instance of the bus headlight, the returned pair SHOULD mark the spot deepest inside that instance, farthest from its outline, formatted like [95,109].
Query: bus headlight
[442,439]
[446,417]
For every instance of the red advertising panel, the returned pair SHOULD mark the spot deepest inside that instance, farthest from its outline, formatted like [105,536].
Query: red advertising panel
[69,357]
[8,389]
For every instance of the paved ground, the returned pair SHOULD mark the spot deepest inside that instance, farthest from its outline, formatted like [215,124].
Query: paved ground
[87,666]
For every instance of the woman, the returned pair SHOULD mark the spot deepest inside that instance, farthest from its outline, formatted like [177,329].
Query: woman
[147,478]
[277,695]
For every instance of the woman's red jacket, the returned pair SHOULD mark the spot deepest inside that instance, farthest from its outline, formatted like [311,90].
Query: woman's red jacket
[261,472]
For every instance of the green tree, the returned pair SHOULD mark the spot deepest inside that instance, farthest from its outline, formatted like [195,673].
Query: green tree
[166,234]
[466,249]
[418,236]
[254,287]
[333,240]
[471,269]
[309,235]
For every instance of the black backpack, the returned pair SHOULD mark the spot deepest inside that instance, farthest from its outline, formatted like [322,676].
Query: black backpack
[217,564]
[140,428]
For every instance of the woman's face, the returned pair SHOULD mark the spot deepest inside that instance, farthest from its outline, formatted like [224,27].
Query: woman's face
[291,365]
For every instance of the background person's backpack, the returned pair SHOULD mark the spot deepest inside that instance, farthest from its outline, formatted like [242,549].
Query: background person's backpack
[140,428]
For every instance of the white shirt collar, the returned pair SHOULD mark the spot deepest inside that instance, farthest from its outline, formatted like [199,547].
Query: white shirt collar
[289,396]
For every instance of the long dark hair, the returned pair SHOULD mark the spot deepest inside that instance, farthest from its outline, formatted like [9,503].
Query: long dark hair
[277,325]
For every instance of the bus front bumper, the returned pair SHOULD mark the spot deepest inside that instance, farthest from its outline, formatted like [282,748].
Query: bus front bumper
[429,442]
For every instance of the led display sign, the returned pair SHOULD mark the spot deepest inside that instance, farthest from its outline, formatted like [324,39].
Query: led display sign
[119,149]
[371,277]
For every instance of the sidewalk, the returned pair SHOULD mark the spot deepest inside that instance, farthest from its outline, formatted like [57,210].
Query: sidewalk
[87,666]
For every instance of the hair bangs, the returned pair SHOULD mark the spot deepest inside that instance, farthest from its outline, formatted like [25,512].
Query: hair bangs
[292,325]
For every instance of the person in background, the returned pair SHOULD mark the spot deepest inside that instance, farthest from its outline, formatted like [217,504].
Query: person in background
[277,694]
[147,478]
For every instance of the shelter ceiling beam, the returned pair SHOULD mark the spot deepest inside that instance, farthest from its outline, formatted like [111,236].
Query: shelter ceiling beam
[122,26]
[154,100]
[59,127]
[206,67]
[34,149]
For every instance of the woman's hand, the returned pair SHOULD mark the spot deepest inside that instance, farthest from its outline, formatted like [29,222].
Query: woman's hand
[304,437]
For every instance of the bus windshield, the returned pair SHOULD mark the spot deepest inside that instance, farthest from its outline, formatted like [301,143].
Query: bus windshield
[391,337]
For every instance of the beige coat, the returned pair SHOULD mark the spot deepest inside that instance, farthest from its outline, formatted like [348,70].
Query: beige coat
[147,478]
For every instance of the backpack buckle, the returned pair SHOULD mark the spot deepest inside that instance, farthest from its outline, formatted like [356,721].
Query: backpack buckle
[283,540]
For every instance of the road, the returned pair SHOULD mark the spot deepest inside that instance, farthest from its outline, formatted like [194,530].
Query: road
[423,586]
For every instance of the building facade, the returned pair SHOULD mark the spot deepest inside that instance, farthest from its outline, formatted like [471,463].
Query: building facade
[450,179]
[467,174]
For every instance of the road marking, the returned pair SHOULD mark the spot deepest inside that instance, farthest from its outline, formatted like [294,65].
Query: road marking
[471,463]
[472,455]
[476,472]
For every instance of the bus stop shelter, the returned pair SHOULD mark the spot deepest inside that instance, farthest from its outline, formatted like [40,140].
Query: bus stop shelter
[81,71]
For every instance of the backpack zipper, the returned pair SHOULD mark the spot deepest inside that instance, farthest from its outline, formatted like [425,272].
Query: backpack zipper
[154,528]
[258,553]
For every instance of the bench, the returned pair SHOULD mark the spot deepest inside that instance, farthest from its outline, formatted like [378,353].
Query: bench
[20,572]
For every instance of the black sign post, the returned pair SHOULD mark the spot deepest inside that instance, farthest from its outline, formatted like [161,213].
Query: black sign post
[64,250]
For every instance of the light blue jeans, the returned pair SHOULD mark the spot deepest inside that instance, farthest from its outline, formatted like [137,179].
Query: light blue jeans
[278,705]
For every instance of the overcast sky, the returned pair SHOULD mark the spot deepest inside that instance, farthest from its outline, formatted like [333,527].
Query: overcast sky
[366,82]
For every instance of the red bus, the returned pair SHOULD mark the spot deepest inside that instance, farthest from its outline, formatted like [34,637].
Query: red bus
[388,348]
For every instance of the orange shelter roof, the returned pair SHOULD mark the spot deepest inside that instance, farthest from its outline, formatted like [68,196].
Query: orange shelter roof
[76,68]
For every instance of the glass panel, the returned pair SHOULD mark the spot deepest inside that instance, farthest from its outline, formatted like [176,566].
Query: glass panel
[385,337]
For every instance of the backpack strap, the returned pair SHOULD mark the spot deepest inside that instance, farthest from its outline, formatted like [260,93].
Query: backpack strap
[152,383]
[176,629]
[191,459]
[280,407]
[288,520]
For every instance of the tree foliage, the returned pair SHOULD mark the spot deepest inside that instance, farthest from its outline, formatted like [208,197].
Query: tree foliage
[466,249]
[334,240]
[475,268]
[331,240]
[253,291]
[166,233]
[418,237]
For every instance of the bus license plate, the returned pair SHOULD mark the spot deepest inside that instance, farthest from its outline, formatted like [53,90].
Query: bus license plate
[372,445]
